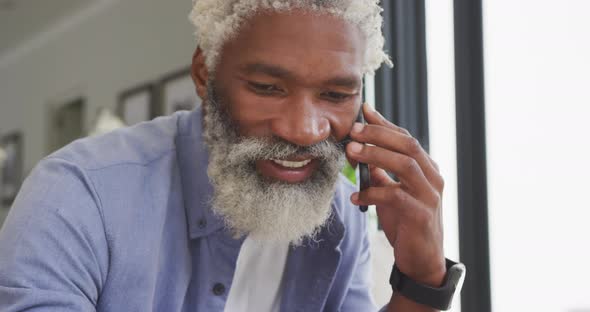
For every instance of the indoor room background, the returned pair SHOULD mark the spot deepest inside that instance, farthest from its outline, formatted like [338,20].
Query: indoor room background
[514,153]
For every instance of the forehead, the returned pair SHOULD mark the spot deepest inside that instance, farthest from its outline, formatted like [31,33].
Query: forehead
[312,45]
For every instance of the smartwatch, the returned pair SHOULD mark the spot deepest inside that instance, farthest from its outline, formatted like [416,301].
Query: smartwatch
[439,298]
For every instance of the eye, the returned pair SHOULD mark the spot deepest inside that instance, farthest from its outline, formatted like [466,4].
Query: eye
[337,96]
[265,89]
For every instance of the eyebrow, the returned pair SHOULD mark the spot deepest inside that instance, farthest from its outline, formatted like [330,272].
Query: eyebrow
[267,69]
[282,73]
[346,82]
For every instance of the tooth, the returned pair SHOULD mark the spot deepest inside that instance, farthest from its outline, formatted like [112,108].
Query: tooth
[292,164]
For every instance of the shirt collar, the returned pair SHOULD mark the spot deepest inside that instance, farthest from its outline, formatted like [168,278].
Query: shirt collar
[193,159]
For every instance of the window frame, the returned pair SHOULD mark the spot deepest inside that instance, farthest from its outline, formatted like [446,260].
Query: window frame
[402,93]
[471,155]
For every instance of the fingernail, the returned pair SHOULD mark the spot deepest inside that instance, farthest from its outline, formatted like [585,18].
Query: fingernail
[355,147]
[355,197]
[357,127]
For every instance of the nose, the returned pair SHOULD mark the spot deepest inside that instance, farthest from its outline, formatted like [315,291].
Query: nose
[302,123]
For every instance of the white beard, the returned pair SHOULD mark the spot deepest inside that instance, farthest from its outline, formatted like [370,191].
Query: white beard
[250,204]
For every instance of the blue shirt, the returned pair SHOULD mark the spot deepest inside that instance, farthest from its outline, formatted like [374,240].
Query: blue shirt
[121,222]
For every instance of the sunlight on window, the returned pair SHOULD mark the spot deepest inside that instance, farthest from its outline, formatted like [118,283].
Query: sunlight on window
[538,150]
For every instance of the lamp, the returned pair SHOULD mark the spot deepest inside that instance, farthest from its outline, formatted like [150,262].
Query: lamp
[106,121]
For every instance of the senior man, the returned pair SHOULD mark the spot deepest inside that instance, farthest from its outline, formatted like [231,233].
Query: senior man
[238,205]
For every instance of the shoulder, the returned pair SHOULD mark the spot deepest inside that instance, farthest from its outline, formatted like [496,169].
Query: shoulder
[121,174]
[66,180]
[136,145]
[108,165]
[132,173]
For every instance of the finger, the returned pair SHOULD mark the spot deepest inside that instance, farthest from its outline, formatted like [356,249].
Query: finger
[395,141]
[394,200]
[434,164]
[407,212]
[372,116]
[434,175]
[403,166]
[394,205]
[375,195]
[380,178]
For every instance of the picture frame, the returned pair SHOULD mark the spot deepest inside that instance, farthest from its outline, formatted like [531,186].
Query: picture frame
[177,92]
[11,170]
[137,104]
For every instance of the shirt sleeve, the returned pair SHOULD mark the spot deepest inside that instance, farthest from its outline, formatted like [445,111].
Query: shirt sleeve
[53,248]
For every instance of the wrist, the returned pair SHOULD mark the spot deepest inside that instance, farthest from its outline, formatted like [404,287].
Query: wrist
[435,279]
[428,291]
[432,274]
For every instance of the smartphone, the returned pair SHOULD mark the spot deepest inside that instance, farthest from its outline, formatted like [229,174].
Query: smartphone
[364,175]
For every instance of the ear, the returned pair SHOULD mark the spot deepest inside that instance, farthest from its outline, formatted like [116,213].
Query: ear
[199,73]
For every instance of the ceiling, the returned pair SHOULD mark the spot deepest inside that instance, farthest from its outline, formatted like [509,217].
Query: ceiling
[21,20]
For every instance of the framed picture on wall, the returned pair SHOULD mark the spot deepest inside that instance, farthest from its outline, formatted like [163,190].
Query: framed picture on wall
[11,146]
[138,104]
[177,92]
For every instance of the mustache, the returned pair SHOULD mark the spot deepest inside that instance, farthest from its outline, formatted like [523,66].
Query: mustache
[250,149]
[253,149]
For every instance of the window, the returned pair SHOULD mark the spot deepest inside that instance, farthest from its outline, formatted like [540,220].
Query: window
[537,78]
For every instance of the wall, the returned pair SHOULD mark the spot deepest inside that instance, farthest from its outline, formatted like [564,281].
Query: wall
[106,48]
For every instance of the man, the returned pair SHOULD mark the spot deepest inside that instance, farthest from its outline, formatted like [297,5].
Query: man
[238,206]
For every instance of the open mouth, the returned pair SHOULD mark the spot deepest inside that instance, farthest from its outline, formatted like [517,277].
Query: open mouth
[287,170]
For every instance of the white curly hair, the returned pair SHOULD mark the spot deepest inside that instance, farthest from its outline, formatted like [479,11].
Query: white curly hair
[216,21]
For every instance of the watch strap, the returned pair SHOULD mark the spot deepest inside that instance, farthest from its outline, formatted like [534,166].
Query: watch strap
[436,297]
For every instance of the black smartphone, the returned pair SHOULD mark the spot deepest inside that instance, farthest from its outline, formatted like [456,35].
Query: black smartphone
[364,175]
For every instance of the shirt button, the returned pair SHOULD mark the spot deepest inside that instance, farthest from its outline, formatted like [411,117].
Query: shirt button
[218,289]
[202,223]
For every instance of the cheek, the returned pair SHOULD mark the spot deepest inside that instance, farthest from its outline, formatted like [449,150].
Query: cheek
[342,119]
[252,113]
